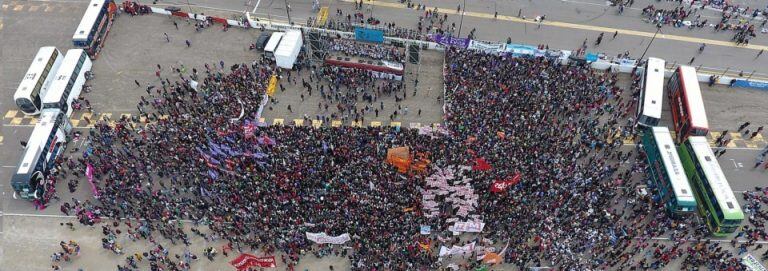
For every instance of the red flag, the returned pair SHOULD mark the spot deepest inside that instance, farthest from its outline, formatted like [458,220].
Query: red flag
[242,262]
[500,186]
[245,260]
[268,261]
[481,165]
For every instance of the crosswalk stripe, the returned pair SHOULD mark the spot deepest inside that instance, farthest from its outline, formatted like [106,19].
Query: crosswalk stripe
[277,122]
[18,7]
[317,123]
[48,8]
[375,123]
[33,8]
[336,123]
[298,122]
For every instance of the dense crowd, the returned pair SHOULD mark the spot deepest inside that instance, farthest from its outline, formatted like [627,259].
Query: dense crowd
[373,51]
[263,188]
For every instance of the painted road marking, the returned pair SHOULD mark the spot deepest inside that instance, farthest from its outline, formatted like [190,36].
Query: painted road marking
[18,7]
[376,124]
[34,8]
[317,123]
[336,123]
[578,26]
[298,122]
[278,122]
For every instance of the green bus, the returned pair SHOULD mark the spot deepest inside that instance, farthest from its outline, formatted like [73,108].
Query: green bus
[667,173]
[717,203]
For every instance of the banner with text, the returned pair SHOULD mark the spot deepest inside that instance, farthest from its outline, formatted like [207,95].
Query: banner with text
[323,238]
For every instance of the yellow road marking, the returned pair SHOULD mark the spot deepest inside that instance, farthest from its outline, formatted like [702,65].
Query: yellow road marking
[336,123]
[16,121]
[375,123]
[18,7]
[277,122]
[11,114]
[5,7]
[33,121]
[1,140]
[357,124]
[34,8]
[395,124]
[415,125]
[298,122]
[577,26]
[48,8]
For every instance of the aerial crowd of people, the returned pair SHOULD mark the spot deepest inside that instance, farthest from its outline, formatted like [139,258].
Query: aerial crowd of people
[263,188]
[203,156]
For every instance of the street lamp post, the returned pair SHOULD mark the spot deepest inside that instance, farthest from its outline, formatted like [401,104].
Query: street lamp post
[461,22]
[658,29]
[288,9]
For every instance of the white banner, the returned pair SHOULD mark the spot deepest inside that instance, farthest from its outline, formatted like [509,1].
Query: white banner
[322,238]
[486,46]
[456,250]
[752,263]
[469,226]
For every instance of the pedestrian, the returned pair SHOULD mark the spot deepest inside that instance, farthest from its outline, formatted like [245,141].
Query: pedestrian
[691,61]
[756,132]
[743,125]
[176,25]
[137,83]
[759,53]
[615,34]
[167,39]
[188,43]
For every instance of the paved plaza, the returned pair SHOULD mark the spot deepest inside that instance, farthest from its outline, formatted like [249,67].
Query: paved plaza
[136,46]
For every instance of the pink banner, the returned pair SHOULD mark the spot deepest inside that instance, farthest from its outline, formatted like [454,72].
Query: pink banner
[89,174]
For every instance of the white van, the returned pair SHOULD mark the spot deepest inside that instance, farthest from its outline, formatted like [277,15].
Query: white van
[269,50]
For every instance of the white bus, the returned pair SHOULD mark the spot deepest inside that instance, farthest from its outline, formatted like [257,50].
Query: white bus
[68,81]
[47,142]
[651,93]
[36,81]
[94,26]
[272,44]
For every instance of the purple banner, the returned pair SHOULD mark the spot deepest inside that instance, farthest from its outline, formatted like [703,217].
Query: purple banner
[452,41]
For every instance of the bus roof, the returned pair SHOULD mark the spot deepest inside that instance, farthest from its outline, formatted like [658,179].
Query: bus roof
[43,129]
[273,42]
[89,19]
[693,97]
[654,87]
[62,76]
[715,177]
[675,170]
[34,72]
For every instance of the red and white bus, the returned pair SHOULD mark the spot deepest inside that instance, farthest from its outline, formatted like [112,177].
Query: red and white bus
[688,115]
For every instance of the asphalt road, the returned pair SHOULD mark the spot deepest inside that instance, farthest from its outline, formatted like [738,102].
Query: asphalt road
[571,21]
